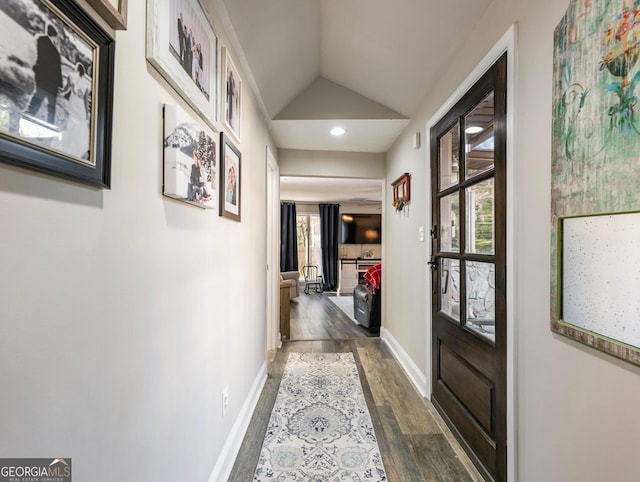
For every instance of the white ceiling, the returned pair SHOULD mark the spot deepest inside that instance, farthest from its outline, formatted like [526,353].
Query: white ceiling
[365,64]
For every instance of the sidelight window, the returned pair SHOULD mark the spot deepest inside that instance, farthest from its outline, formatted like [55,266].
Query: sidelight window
[308,228]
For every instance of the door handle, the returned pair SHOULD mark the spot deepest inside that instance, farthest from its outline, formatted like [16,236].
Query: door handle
[433,263]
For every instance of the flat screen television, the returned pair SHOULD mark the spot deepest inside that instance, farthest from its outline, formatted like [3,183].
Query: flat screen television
[361,228]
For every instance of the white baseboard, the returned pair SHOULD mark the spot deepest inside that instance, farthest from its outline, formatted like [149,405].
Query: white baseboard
[227,457]
[414,373]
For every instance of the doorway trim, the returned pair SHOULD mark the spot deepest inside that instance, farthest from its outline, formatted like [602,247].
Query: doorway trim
[508,44]
[273,253]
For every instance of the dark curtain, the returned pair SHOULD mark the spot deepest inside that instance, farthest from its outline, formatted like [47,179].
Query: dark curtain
[329,239]
[288,238]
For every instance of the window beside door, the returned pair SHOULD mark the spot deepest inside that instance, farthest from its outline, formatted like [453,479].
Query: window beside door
[308,228]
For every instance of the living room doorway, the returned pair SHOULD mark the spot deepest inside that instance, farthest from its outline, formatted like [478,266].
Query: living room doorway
[327,315]
[318,314]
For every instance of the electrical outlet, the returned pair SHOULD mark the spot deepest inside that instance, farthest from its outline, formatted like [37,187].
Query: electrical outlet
[225,400]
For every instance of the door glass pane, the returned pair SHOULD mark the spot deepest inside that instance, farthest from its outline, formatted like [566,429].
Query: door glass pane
[449,223]
[449,162]
[480,232]
[481,298]
[478,134]
[450,287]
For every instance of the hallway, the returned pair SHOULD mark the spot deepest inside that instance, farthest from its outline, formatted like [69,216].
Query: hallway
[314,317]
[414,442]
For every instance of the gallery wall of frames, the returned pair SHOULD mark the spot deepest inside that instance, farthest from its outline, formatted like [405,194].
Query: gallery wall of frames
[57,88]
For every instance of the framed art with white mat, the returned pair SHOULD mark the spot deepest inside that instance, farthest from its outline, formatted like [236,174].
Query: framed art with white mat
[183,48]
[232,96]
[190,160]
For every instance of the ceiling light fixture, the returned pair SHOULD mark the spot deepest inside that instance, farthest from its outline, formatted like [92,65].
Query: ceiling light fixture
[473,129]
[337,131]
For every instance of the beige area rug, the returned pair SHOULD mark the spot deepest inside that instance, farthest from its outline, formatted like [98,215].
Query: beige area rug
[320,429]
[345,303]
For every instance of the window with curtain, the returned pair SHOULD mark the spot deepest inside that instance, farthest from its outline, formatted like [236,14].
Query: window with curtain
[308,228]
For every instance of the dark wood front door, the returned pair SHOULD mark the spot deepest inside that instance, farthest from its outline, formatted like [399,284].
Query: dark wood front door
[468,172]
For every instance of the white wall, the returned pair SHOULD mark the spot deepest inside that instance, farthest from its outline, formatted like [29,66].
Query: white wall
[404,255]
[575,414]
[358,165]
[124,314]
[369,208]
[324,99]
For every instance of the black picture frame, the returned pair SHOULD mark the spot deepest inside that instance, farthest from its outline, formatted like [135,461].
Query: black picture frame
[76,33]
[230,178]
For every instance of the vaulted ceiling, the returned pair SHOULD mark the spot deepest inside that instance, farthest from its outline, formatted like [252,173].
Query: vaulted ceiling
[366,64]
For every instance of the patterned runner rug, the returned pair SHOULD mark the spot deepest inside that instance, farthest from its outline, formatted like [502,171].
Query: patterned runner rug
[320,428]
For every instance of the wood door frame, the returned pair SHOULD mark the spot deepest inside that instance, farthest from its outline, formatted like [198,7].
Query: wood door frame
[507,43]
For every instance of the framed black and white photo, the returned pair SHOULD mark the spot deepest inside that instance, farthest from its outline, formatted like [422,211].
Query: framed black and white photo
[233,95]
[230,178]
[56,90]
[190,160]
[183,47]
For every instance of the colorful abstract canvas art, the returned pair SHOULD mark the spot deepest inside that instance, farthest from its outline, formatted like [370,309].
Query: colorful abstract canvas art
[596,143]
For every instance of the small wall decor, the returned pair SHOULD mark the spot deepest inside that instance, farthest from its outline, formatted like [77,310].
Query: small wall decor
[595,170]
[190,160]
[230,178]
[233,96]
[113,11]
[56,90]
[183,47]
[401,191]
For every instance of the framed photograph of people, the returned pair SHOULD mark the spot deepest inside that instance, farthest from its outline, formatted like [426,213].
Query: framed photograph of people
[230,178]
[232,97]
[113,11]
[56,90]
[190,160]
[183,47]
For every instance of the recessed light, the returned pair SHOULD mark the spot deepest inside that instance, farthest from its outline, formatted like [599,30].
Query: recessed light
[337,131]
[473,129]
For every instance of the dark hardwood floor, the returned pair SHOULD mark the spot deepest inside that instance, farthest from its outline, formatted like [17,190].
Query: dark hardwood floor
[414,441]
[314,317]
